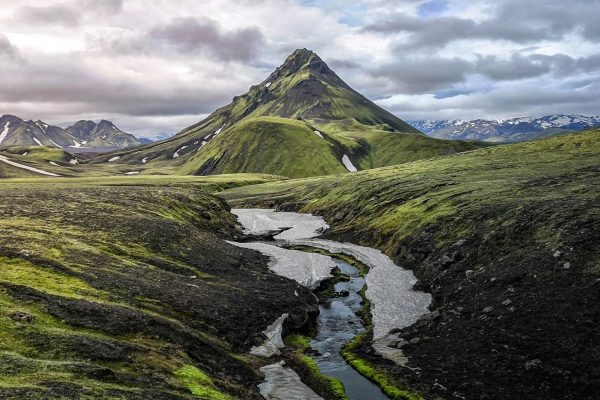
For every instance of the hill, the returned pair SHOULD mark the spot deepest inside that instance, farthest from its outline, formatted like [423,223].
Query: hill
[507,130]
[127,290]
[77,137]
[505,239]
[303,120]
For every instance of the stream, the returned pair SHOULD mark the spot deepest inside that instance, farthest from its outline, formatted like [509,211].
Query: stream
[394,304]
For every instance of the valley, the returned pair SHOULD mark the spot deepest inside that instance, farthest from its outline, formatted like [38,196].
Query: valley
[300,242]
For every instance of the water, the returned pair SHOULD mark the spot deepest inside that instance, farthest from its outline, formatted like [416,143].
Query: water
[338,324]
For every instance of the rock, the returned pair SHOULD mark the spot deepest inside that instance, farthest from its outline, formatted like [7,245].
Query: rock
[415,340]
[531,364]
[493,279]
[430,316]
[469,273]
[507,302]
[22,317]
[459,243]
[567,265]
[557,253]
[488,309]
[344,293]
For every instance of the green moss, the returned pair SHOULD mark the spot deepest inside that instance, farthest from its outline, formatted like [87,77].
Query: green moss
[331,386]
[375,375]
[199,383]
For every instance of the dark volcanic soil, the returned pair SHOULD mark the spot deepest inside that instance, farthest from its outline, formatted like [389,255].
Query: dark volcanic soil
[118,288]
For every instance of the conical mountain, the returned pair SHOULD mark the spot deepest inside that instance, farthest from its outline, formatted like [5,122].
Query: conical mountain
[303,120]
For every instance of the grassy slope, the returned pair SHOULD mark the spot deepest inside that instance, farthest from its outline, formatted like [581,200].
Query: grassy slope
[119,290]
[267,145]
[482,229]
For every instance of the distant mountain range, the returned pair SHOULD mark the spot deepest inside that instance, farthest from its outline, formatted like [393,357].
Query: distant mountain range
[82,135]
[506,130]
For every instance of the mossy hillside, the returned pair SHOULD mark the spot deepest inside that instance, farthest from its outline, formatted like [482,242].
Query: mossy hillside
[267,145]
[507,229]
[114,291]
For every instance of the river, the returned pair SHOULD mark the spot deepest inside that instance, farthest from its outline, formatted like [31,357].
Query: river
[394,303]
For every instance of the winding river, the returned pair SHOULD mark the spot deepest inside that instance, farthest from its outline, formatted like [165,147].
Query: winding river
[394,303]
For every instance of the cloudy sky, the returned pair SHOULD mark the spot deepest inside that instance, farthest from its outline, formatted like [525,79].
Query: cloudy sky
[158,66]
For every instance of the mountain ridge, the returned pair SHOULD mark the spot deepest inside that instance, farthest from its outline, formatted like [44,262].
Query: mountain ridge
[15,131]
[506,130]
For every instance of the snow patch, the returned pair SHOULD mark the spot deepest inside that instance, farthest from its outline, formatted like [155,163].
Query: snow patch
[319,134]
[37,141]
[282,383]
[219,130]
[274,342]
[76,143]
[260,221]
[308,269]
[176,154]
[73,161]
[144,160]
[132,173]
[4,132]
[55,144]
[53,163]
[268,84]
[348,164]
[14,164]
[114,158]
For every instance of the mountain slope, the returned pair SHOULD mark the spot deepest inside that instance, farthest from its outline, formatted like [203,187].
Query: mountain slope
[320,123]
[508,130]
[15,131]
[504,238]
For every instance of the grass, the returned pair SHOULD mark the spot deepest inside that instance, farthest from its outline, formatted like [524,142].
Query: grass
[199,383]
[374,374]
[326,386]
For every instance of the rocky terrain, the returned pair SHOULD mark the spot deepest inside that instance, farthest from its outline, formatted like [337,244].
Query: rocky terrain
[505,241]
[130,291]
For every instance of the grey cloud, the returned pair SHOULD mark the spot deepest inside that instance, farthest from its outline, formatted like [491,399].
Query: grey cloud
[7,49]
[513,21]
[424,75]
[63,84]
[517,67]
[190,35]
[104,6]
[59,14]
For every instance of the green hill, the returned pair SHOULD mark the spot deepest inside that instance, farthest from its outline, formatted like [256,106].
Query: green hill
[271,129]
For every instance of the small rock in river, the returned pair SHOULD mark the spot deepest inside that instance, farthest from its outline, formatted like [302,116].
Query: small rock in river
[507,302]
[488,309]
[557,253]
[469,272]
[567,265]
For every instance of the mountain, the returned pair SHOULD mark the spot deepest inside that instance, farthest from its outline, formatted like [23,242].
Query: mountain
[102,134]
[15,131]
[507,130]
[303,120]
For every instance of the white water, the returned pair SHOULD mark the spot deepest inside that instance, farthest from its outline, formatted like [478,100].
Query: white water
[394,302]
